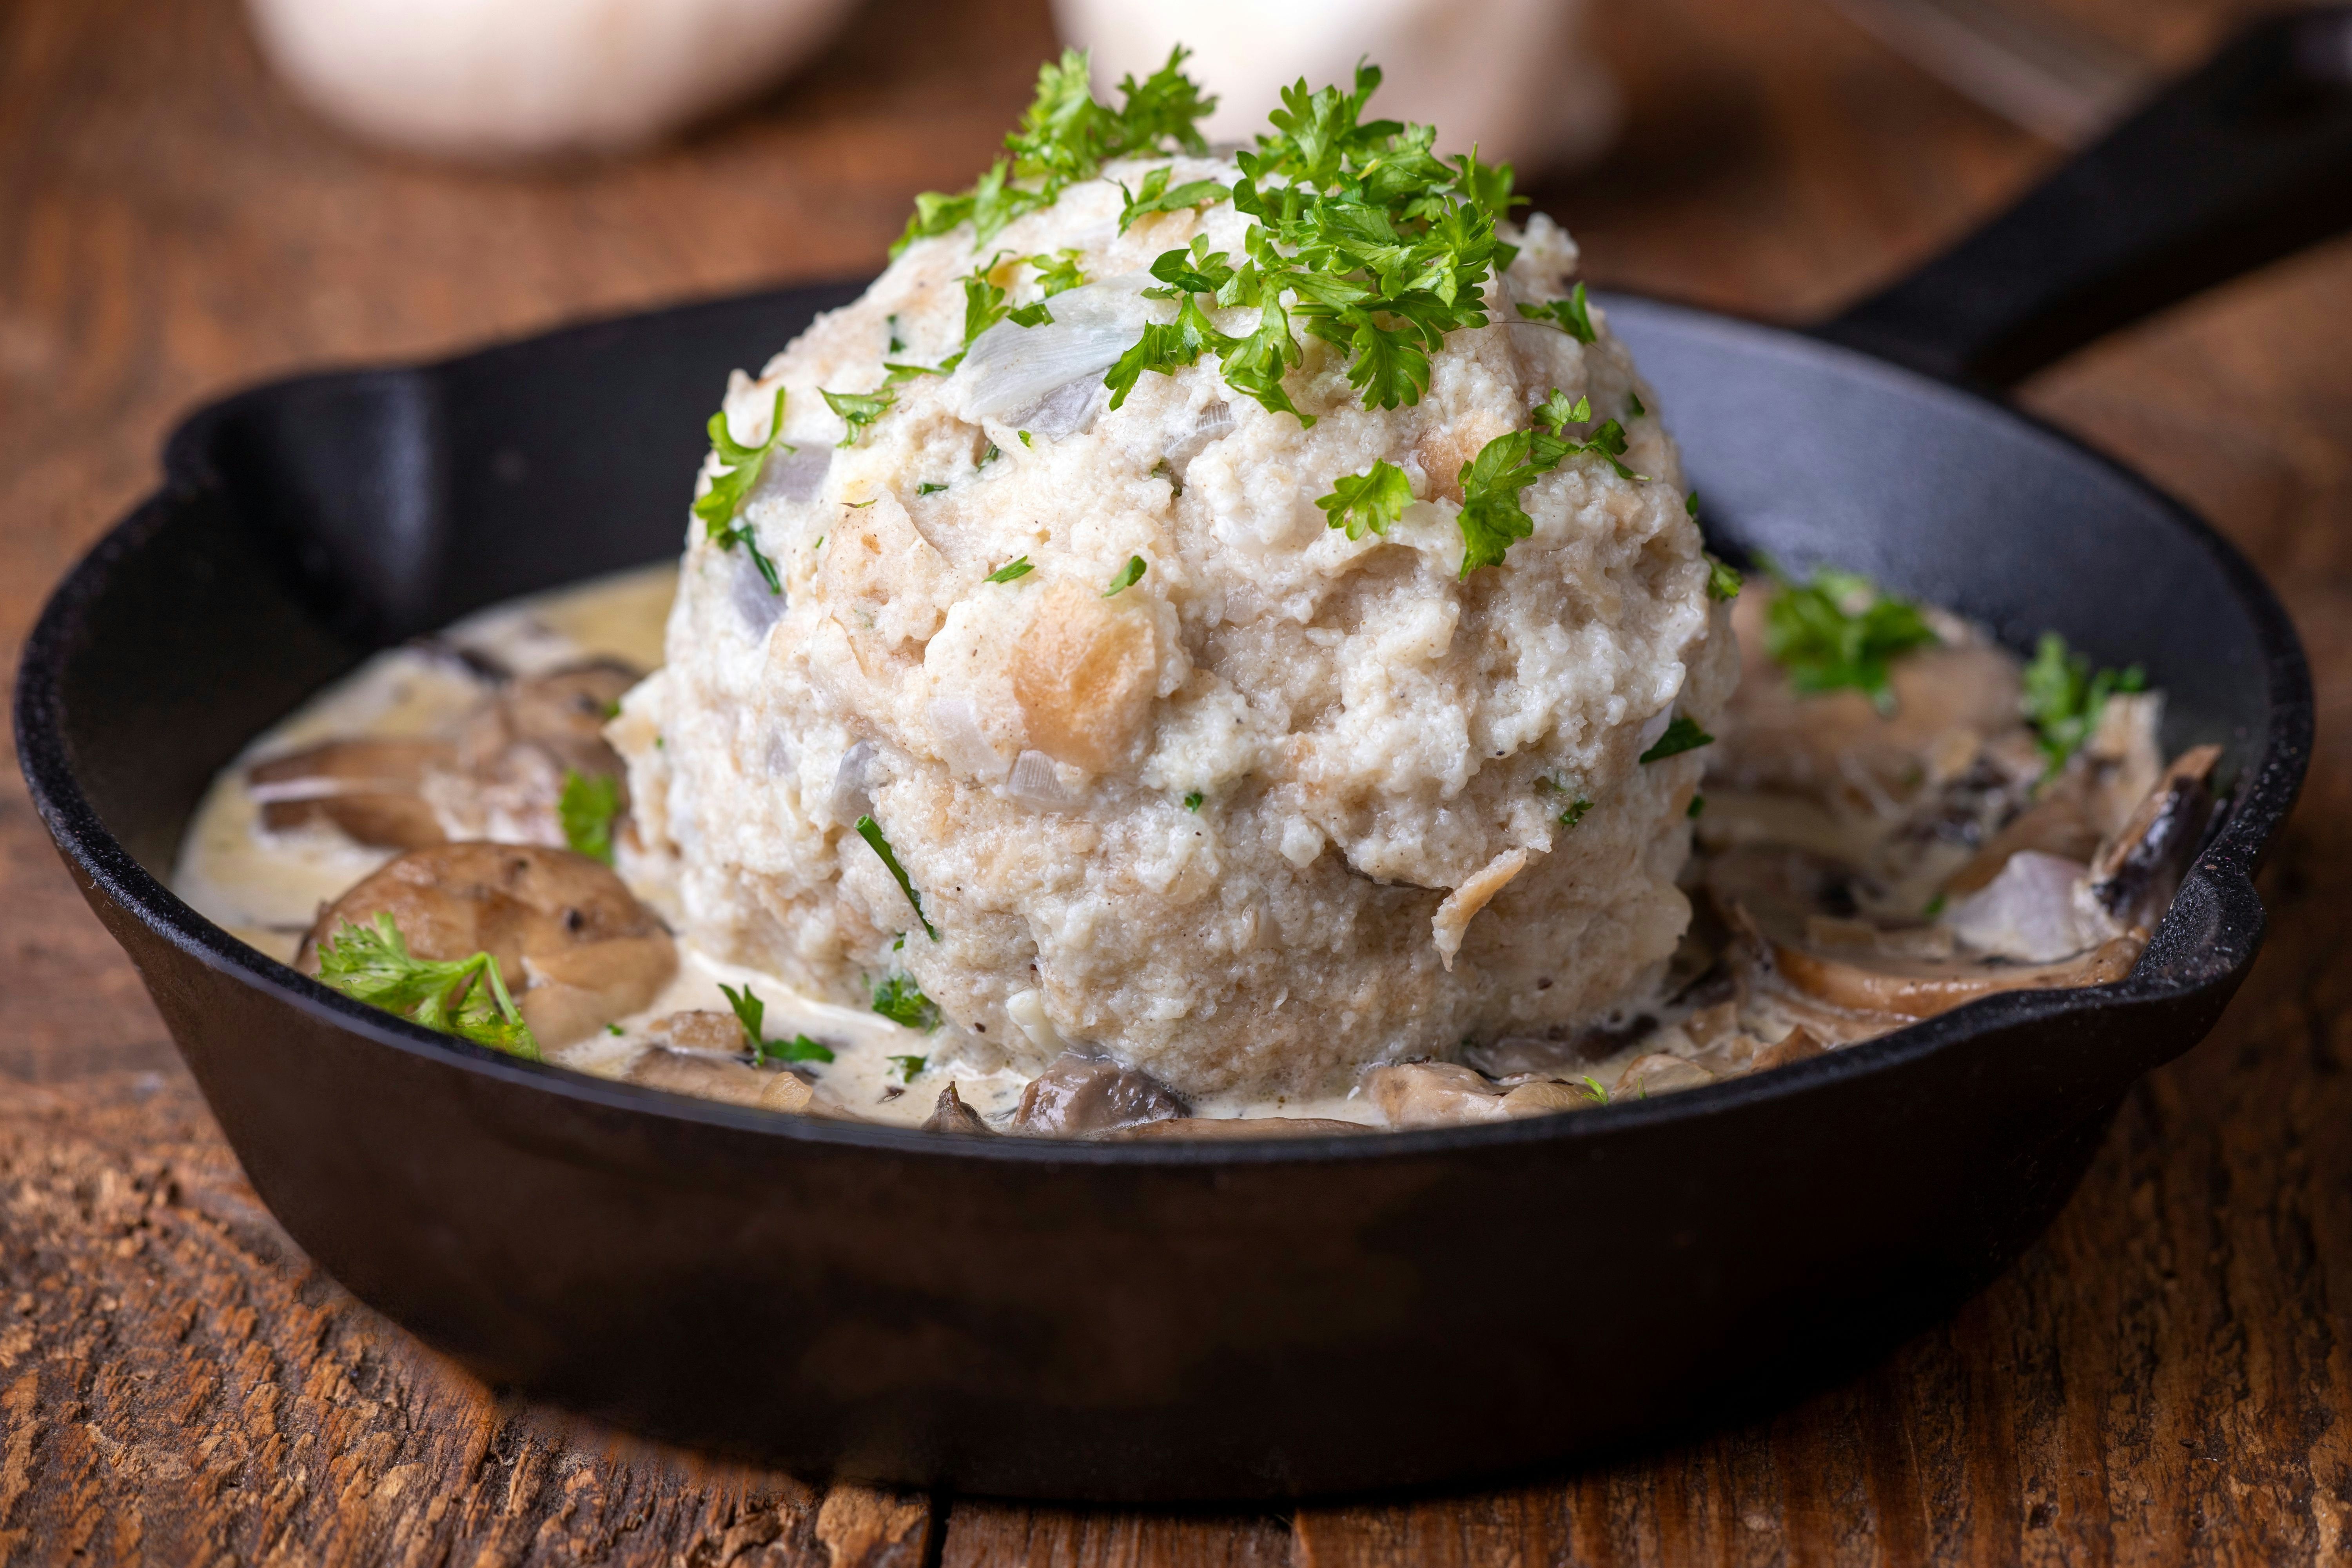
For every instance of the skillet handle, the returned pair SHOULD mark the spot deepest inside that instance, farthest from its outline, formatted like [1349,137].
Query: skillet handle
[2245,161]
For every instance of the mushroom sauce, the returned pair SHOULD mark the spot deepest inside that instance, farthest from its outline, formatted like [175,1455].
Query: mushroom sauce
[1885,831]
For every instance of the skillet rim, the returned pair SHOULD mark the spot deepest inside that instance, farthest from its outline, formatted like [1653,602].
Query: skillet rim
[2270,782]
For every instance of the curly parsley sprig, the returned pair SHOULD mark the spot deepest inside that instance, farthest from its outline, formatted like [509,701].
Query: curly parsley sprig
[2065,698]
[1837,631]
[1066,136]
[1365,239]
[465,996]
[731,489]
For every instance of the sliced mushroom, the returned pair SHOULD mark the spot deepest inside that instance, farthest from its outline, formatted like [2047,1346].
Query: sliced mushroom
[515,753]
[1080,1095]
[952,1115]
[1917,989]
[701,1030]
[2135,875]
[1220,1128]
[573,946]
[1434,1094]
[720,1078]
[1658,1073]
[370,789]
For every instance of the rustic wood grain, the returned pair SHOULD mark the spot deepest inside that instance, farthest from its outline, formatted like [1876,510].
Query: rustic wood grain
[2162,1379]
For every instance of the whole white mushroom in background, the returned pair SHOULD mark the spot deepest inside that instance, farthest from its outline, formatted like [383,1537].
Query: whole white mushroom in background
[502,79]
[1509,75]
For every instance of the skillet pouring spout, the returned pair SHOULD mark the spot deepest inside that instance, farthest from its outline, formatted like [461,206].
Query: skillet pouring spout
[1152,1320]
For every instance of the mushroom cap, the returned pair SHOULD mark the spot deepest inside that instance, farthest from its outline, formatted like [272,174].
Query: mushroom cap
[573,943]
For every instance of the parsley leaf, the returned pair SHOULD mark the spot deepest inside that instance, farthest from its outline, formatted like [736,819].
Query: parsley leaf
[1017,567]
[1723,580]
[585,810]
[929,488]
[1126,577]
[1066,135]
[1575,813]
[731,489]
[1572,315]
[466,997]
[1192,800]
[858,409]
[1152,195]
[1698,805]
[1682,734]
[1367,502]
[1057,273]
[1838,632]
[871,831]
[900,1000]
[909,1066]
[752,1015]
[2064,699]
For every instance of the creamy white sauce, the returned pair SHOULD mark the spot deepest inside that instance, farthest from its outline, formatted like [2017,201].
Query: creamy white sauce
[267,888]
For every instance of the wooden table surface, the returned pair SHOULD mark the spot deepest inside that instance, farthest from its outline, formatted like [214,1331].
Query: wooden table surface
[2164,1377]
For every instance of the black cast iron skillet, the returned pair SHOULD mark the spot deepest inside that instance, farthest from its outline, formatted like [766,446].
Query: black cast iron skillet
[1163,1321]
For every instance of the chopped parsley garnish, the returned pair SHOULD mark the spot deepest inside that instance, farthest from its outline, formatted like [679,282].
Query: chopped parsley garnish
[858,410]
[909,1066]
[1838,632]
[871,831]
[616,1031]
[466,996]
[1491,516]
[586,809]
[1066,136]
[1682,734]
[1369,502]
[1573,316]
[900,1000]
[1698,805]
[731,489]
[752,1014]
[898,343]
[1633,409]
[1024,438]
[1126,577]
[1017,567]
[1154,197]
[988,456]
[1593,1090]
[1723,580]
[1192,800]
[1364,238]
[1575,813]
[928,488]
[2064,699]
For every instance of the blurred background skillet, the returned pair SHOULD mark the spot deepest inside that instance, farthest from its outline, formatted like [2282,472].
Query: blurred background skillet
[1162,1322]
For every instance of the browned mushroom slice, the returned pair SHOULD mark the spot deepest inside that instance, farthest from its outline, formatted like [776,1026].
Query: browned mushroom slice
[563,713]
[2135,876]
[724,1079]
[1658,1073]
[1237,1127]
[1434,1094]
[576,948]
[704,1029]
[952,1115]
[1923,988]
[1080,1095]
[515,752]
[367,788]
[2058,823]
